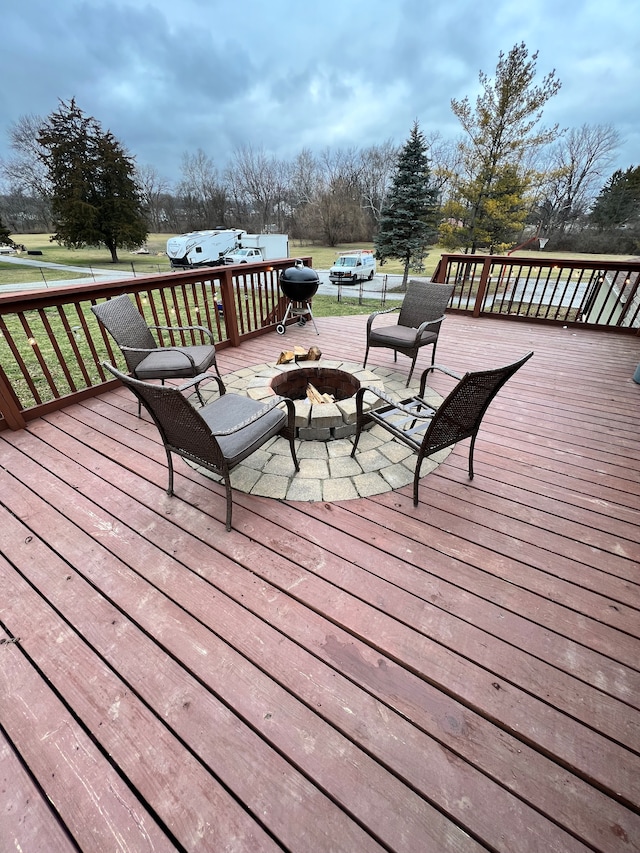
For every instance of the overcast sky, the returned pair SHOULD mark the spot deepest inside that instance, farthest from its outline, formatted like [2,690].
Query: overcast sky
[174,76]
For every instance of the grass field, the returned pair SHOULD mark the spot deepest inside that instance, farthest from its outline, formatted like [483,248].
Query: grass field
[156,261]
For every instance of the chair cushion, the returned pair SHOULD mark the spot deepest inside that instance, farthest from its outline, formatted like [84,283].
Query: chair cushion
[400,337]
[162,363]
[229,411]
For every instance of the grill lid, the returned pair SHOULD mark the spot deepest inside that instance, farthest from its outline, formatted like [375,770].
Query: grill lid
[299,274]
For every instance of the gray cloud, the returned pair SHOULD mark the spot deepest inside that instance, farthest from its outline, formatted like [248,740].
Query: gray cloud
[169,77]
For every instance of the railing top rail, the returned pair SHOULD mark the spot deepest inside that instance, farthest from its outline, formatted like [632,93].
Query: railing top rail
[630,264]
[22,300]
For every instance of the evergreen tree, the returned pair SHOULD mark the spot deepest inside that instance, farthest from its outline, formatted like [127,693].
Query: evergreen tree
[95,198]
[5,239]
[407,220]
[489,203]
[618,203]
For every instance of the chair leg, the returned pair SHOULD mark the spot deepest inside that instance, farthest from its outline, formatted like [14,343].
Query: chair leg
[359,420]
[227,486]
[366,356]
[292,448]
[413,364]
[416,477]
[416,481]
[139,400]
[471,449]
[170,469]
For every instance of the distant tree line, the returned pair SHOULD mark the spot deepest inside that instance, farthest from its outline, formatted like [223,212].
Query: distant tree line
[506,180]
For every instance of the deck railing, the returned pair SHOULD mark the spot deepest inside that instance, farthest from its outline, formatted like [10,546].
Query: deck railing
[52,347]
[598,293]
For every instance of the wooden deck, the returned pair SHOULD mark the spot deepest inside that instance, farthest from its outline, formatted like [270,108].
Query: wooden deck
[357,676]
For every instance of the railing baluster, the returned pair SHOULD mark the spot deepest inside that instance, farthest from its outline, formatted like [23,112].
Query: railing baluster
[56,348]
[35,349]
[69,352]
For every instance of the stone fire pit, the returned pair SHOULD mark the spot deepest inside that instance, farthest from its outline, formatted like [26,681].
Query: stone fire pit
[327,471]
[318,421]
[314,422]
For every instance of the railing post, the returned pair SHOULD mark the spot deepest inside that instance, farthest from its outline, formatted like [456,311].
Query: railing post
[482,286]
[229,307]
[10,405]
[440,273]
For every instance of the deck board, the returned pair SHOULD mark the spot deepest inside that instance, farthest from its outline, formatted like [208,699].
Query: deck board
[350,676]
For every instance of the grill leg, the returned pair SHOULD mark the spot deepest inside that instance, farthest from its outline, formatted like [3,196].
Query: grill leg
[311,315]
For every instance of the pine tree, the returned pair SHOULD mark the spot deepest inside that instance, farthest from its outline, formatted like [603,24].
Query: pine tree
[502,135]
[5,239]
[618,204]
[407,220]
[95,198]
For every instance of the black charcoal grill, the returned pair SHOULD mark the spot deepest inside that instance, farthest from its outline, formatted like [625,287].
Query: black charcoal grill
[299,284]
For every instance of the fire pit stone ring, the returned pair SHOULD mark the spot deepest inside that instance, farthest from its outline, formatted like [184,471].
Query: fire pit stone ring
[327,470]
[317,421]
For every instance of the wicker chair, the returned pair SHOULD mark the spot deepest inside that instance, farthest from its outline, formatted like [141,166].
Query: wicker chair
[144,358]
[425,429]
[217,436]
[421,313]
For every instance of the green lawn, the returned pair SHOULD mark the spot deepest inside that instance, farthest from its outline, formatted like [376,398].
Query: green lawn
[156,261]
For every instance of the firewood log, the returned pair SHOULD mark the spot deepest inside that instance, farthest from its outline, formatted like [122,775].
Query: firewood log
[313,394]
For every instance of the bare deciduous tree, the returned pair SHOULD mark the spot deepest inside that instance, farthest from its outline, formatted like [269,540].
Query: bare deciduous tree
[377,166]
[260,187]
[575,169]
[25,173]
[445,160]
[337,215]
[203,195]
[154,190]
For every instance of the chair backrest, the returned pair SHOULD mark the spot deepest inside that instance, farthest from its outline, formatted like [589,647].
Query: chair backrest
[460,414]
[181,426]
[423,301]
[127,326]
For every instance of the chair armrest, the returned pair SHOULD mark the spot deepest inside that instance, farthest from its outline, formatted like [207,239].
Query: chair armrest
[203,377]
[426,323]
[263,411]
[137,349]
[185,329]
[423,378]
[375,314]
[359,398]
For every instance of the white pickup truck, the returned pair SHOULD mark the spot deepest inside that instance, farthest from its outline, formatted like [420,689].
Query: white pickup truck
[244,256]
[258,247]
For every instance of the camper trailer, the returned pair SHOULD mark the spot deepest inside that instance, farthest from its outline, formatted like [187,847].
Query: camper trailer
[202,248]
[228,246]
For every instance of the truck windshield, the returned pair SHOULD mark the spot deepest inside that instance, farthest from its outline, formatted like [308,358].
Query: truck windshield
[346,262]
